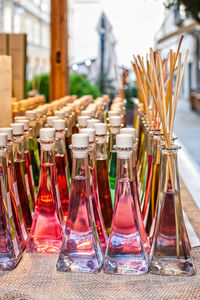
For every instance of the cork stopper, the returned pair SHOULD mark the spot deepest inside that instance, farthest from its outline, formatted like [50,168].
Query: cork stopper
[18,128]
[47,134]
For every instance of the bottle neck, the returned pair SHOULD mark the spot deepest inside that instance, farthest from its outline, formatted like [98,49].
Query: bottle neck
[47,155]
[92,151]
[113,132]
[80,163]
[60,142]
[33,128]
[124,165]
[18,147]
[3,161]
[10,153]
[101,147]
[26,141]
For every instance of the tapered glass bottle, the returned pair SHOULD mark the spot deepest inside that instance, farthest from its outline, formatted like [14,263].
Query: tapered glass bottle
[33,144]
[80,251]
[22,172]
[170,252]
[62,169]
[10,248]
[125,252]
[115,125]
[102,174]
[94,189]
[46,232]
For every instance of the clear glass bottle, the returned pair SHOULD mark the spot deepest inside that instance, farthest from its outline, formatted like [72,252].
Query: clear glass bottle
[33,144]
[80,251]
[62,168]
[115,125]
[28,159]
[22,172]
[102,174]
[94,189]
[170,252]
[14,194]
[125,252]
[10,249]
[46,231]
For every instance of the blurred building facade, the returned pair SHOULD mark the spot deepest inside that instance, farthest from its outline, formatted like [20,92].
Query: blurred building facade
[174,25]
[33,18]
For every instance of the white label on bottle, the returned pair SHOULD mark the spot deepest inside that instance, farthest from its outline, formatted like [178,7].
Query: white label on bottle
[27,185]
[16,193]
[16,247]
[31,172]
[24,232]
[58,196]
[9,205]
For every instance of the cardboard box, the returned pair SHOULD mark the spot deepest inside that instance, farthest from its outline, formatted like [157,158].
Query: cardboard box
[5,90]
[17,49]
[3,44]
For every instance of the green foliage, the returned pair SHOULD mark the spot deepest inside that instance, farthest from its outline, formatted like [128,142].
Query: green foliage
[79,86]
[130,93]
[192,7]
[43,81]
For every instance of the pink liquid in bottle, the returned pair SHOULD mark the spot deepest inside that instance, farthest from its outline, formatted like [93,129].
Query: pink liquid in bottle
[62,184]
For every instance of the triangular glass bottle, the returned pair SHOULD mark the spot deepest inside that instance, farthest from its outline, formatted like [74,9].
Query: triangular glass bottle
[80,251]
[46,231]
[125,252]
[10,249]
[170,252]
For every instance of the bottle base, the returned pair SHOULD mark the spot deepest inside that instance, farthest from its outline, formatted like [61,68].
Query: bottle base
[44,246]
[129,266]
[7,263]
[172,266]
[78,264]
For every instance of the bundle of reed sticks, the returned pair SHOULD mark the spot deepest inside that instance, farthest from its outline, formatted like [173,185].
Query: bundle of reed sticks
[159,95]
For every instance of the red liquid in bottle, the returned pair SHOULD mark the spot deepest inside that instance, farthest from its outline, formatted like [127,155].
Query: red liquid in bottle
[30,176]
[20,168]
[62,184]
[46,231]
[104,193]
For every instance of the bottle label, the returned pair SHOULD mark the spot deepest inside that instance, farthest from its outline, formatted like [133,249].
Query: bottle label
[12,226]
[28,194]
[31,172]
[59,203]
[19,211]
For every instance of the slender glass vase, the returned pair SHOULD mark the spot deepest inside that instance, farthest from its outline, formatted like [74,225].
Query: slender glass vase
[170,252]
[80,251]
[10,248]
[103,239]
[115,125]
[62,169]
[22,173]
[125,252]
[46,232]
[102,174]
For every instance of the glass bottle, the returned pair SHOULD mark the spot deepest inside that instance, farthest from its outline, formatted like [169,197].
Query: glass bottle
[14,194]
[102,174]
[125,253]
[80,251]
[145,240]
[115,125]
[28,159]
[22,172]
[94,189]
[82,122]
[10,249]
[62,169]
[170,252]
[33,144]
[46,231]
[68,134]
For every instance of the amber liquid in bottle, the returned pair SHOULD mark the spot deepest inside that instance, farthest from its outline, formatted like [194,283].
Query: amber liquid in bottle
[104,193]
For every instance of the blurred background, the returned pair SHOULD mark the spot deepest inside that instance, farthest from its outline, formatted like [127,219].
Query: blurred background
[102,37]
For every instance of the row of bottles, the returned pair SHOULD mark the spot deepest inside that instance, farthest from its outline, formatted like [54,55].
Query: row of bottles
[103,199]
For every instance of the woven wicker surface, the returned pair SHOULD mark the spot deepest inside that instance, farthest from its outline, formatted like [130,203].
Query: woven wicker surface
[36,278]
